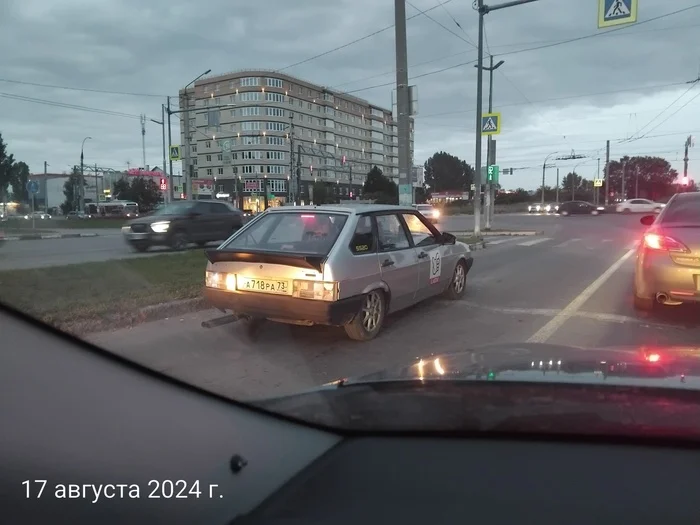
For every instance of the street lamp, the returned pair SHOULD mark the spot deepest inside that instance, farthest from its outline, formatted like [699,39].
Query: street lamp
[162,124]
[81,189]
[188,175]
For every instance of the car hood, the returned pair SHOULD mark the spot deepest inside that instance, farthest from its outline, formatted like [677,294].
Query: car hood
[658,366]
[150,219]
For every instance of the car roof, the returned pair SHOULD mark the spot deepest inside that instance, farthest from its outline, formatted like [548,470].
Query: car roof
[342,208]
[692,195]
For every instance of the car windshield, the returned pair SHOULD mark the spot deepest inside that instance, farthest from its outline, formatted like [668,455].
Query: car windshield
[682,211]
[303,232]
[177,208]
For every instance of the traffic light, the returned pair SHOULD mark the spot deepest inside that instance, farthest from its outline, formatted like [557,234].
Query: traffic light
[163,184]
[351,196]
[311,168]
[343,160]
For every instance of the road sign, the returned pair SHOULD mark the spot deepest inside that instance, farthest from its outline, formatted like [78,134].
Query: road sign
[597,183]
[492,174]
[490,123]
[174,152]
[32,186]
[616,12]
[405,194]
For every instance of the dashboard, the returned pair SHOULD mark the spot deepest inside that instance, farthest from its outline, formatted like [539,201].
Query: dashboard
[87,437]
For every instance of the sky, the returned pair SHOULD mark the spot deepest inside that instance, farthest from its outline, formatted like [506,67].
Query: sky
[89,68]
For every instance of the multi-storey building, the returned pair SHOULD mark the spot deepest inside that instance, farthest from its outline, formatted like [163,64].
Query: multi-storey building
[264,138]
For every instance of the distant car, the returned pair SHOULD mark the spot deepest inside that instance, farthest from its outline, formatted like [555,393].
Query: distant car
[579,208]
[336,265]
[639,206]
[38,215]
[429,212]
[543,208]
[666,270]
[183,222]
[77,215]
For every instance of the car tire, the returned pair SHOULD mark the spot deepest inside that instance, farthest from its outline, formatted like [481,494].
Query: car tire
[595,212]
[458,283]
[140,247]
[626,210]
[642,304]
[179,241]
[368,322]
[657,210]
[564,213]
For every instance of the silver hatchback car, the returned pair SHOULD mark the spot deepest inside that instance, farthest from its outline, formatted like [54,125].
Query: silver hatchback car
[338,265]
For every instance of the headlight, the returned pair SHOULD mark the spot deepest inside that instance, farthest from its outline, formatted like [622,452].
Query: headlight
[529,208]
[547,208]
[436,214]
[160,227]
[556,208]
[319,290]
[537,208]
[601,208]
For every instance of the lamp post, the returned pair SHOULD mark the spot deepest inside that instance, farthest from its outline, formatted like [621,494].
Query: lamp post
[81,189]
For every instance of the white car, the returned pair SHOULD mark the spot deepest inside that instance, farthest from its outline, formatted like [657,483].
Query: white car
[639,206]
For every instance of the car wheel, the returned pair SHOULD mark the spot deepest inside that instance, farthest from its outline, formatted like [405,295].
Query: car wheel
[179,241]
[564,213]
[642,304]
[458,284]
[594,212]
[140,246]
[370,319]
[626,210]
[657,210]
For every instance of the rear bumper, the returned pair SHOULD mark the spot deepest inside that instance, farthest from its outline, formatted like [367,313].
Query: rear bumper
[337,313]
[658,273]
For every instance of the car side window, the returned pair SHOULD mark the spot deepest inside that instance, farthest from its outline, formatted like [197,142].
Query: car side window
[422,236]
[202,207]
[219,208]
[391,234]
[363,240]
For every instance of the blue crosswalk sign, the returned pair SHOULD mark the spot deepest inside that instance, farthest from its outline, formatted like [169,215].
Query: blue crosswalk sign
[616,12]
[32,186]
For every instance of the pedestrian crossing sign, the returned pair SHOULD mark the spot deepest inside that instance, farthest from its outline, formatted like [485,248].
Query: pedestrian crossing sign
[174,152]
[616,12]
[490,123]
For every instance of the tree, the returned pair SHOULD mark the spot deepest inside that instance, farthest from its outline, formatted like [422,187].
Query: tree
[20,177]
[656,177]
[6,163]
[70,191]
[445,172]
[380,188]
[421,195]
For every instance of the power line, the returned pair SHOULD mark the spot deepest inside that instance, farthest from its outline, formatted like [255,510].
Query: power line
[441,24]
[68,106]
[669,117]
[90,90]
[358,40]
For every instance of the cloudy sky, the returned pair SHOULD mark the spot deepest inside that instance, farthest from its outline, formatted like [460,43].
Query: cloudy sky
[77,68]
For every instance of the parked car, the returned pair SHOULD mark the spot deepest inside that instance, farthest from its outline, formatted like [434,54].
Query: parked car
[182,223]
[666,270]
[639,206]
[580,208]
[338,265]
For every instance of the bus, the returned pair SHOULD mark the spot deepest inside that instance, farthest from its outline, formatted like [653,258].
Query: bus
[116,209]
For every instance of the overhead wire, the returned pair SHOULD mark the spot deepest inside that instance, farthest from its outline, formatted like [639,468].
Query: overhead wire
[68,106]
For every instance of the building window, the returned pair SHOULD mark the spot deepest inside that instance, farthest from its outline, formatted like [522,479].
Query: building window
[250,126]
[208,143]
[219,157]
[250,96]
[274,97]
[220,171]
[276,170]
[275,155]
[274,112]
[274,82]
[274,141]
[208,158]
[275,126]
[209,172]
[249,141]
[250,81]
[250,112]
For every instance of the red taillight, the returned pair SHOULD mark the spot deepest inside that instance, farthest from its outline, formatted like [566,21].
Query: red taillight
[653,358]
[656,241]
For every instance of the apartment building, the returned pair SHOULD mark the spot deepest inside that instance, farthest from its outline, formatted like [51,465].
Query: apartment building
[251,131]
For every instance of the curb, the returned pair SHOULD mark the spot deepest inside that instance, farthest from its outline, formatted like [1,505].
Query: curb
[39,236]
[481,245]
[512,233]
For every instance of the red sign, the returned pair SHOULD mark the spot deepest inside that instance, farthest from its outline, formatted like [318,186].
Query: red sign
[136,172]
[252,185]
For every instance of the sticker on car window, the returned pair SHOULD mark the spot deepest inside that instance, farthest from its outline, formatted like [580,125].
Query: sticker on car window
[435,266]
[361,247]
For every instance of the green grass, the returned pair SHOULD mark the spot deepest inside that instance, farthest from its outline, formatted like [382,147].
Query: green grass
[470,239]
[50,224]
[78,293]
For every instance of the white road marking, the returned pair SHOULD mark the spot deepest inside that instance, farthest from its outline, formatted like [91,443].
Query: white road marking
[548,330]
[566,243]
[535,241]
[500,241]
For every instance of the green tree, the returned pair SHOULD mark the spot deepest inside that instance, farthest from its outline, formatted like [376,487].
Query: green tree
[70,191]
[380,188]
[144,191]
[7,160]
[656,177]
[421,195]
[20,177]
[445,172]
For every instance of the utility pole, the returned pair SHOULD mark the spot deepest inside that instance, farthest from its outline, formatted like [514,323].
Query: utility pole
[162,122]
[607,171]
[557,190]
[81,185]
[143,139]
[688,144]
[490,153]
[46,187]
[403,101]
[97,189]
[170,143]
[483,10]
[290,180]
[298,181]
[624,173]
[188,131]
[596,200]
[636,182]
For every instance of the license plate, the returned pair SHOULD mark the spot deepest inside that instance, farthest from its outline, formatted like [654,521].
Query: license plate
[273,286]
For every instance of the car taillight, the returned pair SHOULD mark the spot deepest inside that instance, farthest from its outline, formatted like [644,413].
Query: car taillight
[656,241]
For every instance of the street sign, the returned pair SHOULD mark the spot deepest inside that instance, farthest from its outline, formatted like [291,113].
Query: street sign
[616,12]
[32,186]
[597,183]
[174,152]
[490,123]
[405,194]
[492,174]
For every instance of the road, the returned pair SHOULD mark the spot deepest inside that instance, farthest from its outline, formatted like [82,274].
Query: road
[570,286]
[109,244]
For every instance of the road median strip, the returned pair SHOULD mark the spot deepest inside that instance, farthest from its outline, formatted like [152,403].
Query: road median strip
[40,236]
[89,297]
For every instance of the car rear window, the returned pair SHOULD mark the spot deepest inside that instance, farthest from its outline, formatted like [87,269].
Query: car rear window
[682,211]
[310,232]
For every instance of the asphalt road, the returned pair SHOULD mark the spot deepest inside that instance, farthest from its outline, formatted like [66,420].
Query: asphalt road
[109,244]
[570,286]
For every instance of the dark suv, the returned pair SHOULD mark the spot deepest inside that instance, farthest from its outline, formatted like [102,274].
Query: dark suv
[183,222]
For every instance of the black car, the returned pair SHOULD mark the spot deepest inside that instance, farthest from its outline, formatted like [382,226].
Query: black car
[579,208]
[183,222]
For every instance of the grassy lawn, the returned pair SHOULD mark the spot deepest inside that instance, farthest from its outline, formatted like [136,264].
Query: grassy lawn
[470,239]
[49,224]
[78,293]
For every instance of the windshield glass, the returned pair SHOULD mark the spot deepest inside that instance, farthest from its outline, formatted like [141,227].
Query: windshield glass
[306,232]
[343,225]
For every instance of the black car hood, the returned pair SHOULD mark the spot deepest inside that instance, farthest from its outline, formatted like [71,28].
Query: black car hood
[150,219]
[661,366]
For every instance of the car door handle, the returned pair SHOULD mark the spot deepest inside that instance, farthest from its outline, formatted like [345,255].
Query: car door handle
[387,262]
[422,255]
